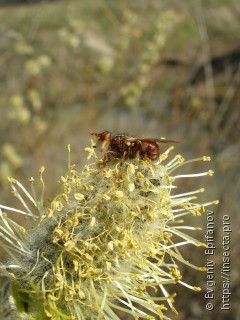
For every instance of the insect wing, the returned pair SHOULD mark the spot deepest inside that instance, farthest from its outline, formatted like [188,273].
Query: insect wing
[163,140]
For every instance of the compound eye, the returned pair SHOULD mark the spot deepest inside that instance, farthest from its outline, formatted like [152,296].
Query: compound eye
[104,136]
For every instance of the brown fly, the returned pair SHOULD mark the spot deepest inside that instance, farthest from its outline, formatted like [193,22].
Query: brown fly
[123,146]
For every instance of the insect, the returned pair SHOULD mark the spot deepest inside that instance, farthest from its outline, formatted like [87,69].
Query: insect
[124,147]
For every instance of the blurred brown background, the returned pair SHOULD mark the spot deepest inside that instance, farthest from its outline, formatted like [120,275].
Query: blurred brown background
[148,68]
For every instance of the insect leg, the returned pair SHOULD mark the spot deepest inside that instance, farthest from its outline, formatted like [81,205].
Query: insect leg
[123,158]
[108,155]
